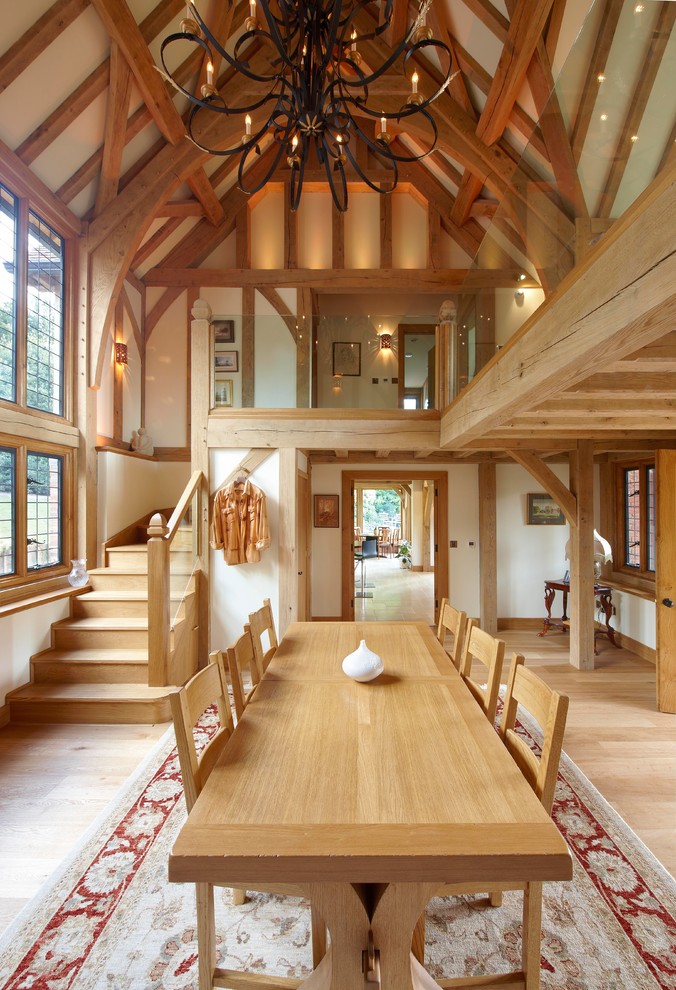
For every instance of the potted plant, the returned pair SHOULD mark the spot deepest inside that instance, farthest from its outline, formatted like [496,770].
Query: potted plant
[404,552]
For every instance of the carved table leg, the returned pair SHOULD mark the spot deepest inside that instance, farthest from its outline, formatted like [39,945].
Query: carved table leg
[549,600]
[606,602]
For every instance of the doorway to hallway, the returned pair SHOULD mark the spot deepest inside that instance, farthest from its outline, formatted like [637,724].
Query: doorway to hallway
[397,592]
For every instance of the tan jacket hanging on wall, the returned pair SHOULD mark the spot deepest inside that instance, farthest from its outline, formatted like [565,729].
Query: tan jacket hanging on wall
[240,526]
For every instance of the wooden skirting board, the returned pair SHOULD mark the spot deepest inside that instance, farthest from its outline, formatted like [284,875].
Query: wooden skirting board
[4,715]
[640,649]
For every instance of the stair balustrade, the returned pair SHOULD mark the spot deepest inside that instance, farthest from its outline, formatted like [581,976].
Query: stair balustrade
[178,588]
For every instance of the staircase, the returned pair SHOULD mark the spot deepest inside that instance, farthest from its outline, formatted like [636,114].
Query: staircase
[96,669]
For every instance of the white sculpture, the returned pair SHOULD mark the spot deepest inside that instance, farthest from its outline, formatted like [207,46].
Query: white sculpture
[363,664]
[142,442]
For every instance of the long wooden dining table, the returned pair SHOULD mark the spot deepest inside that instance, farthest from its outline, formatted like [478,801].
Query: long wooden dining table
[369,795]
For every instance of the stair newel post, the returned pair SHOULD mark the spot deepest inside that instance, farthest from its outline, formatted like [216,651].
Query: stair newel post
[158,602]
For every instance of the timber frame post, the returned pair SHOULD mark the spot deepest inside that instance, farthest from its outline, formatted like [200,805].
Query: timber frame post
[582,558]
[488,563]
[288,544]
[200,391]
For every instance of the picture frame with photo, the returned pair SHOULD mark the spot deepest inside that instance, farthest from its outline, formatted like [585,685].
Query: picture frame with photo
[226,360]
[223,331]
[223,391]
[326,511]
[347,358]
[543,510]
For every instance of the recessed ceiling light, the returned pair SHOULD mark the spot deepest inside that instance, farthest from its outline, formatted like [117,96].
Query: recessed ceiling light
[634,138]
[604,116]
[600,78]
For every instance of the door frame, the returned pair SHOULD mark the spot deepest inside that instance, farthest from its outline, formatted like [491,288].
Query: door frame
[348,478]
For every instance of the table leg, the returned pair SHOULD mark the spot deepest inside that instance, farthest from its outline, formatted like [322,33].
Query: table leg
[368,919]
[564,617]
[606,601]
[549,600]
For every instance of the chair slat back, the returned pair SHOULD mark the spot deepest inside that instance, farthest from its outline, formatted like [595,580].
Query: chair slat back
[262,621]
[480,645]
[207,687]
[549,709]
[242,660]
[454,621]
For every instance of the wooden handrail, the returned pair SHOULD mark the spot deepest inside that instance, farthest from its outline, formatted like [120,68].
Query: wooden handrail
[182,505]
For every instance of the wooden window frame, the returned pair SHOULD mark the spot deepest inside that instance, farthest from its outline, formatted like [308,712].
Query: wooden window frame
[641,575]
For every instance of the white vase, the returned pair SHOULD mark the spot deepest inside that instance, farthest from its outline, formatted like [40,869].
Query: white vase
[78,577]
[363,664]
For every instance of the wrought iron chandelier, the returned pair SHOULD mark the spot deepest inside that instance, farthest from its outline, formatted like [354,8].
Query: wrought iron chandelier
[316,89]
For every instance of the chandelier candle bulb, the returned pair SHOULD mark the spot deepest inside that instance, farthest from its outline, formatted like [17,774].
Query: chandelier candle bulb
[252,9]
[210,73]
[414,82]
[247,125]
[383,125]
[354,40]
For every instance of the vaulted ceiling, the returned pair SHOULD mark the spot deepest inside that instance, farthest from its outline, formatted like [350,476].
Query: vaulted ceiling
[84,112]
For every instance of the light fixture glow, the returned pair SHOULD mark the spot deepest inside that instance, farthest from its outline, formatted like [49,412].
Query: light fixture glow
[121,354]
[385,341]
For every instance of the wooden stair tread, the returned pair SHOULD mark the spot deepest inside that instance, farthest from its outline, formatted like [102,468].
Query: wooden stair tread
[90,692]
[94,655]
[102,622]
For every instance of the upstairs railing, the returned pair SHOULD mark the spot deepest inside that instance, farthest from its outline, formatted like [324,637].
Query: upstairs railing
[178,589]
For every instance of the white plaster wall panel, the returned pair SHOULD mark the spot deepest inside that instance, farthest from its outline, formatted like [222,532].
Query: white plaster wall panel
[166,385]
[104,395]
[274,360]
[73,54]
[325,546]
[267,231]
[240,589]
[24,634]
[362,229]
[166,245]
[635,617]
[290,297]
[452,254]
[131,487]
[225,255]
[314,230]
[527,555]
[512,311]
[409,232]
[73,147]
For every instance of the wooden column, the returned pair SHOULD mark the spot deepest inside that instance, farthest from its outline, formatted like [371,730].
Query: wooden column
[434,236]
[288,551]
[665,583]
[243,238]
[85,417]
[159,620]
[488,559]
[118,374]
[447,354]
[582,558]
[337,238]
[385,231]
[248,366]
[290,232]
[200,392]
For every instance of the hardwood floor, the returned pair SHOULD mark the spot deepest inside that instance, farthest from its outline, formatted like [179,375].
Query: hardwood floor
[55,780]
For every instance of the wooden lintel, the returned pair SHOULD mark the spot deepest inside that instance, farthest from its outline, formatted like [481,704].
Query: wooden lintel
[347,280]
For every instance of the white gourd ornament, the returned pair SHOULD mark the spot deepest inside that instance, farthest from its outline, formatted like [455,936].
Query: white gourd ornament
[363,664]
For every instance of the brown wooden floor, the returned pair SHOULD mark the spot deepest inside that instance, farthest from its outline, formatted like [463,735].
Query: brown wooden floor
[55,780]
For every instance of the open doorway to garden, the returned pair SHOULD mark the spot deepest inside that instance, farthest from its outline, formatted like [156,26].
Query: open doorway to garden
[393,526]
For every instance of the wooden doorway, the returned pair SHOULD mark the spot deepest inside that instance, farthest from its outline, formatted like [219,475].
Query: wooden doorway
[665,580]
[439,479]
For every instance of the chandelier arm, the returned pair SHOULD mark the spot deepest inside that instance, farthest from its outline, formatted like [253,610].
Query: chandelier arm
[296,184]
[240,65]
[389,163]
[331,171]
[267,176]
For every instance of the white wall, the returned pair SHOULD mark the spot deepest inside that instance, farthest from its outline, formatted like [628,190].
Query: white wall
[130,486]
[22,635]
[166,380]
[240,589]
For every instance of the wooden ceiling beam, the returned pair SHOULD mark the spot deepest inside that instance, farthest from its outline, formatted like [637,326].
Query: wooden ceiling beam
[525,30]
[623,293]
[203,190]
[180,208]
[25,183]
[551,483]
[347,280]
[117,110]
[653,54]
[37,38]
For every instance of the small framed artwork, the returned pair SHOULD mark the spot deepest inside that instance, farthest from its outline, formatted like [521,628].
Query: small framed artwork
[543,510]
[224,331]
[346,358]
[222,390]
[226,360]
[326,511]
[566,577]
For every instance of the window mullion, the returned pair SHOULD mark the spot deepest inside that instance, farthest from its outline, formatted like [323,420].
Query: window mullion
[21,521]
[22,303]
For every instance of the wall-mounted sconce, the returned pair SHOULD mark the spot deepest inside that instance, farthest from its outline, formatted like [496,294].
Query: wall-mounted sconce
[120,352]
[337,383]
[519,295]
[385,341]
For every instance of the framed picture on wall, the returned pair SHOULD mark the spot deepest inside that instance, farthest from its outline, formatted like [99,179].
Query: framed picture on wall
[326,511]
[222,391]
[543,510]
[224,331]
[226,360]
[346,358]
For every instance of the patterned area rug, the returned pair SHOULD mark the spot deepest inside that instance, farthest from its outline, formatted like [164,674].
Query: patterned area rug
[111,921]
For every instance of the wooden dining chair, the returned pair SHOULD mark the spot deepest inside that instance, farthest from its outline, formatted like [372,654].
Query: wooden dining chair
[206,688]
[262,623]
[481,646]
[453,621]
[245,670]
[549,709]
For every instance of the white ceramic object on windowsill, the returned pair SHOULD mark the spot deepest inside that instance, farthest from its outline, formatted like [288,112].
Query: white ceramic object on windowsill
[363,664]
